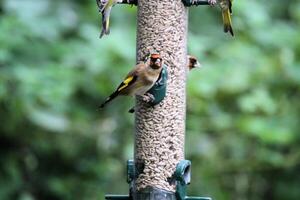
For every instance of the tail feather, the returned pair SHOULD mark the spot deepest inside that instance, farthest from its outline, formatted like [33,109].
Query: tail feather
[105,22]
[102,33]
[105,25]
[228,29]
[110,98]
[227,22]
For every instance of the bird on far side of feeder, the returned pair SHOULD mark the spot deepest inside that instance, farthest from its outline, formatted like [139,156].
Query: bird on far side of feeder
[105,7]
[192,62]
[226,8]
[139,80]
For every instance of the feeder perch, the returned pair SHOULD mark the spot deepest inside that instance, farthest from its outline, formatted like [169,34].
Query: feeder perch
[182,176]
[158,90]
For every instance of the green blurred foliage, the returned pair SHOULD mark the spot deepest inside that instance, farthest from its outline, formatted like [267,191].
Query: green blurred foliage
[243,108]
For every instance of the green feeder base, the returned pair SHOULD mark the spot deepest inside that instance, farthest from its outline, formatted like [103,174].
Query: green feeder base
[182,177]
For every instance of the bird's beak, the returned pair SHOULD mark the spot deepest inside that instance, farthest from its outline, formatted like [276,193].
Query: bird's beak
[197,65]
[157,62]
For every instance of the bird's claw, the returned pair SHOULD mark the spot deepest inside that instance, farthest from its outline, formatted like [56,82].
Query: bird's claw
[212,2]
[148,98]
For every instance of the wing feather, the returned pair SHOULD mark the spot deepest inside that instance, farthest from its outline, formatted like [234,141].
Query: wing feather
[127,82]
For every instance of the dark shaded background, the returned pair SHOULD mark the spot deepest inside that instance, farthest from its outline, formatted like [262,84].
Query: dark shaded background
[243,107]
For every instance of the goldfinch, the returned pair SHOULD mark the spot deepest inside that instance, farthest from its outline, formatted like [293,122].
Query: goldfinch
[192,62]
[105,7]
[139,80]
[226,8]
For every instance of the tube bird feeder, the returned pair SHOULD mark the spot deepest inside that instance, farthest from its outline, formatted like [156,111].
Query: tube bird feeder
[159,171]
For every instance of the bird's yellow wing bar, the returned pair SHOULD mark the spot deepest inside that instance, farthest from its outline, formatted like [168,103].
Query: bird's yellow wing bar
[128,81]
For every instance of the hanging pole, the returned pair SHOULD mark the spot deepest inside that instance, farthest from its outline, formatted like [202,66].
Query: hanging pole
[160,130]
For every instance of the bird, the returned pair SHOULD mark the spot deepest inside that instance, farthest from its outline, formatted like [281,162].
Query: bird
[139,80]
[226,8]
[192,62]
[105,7]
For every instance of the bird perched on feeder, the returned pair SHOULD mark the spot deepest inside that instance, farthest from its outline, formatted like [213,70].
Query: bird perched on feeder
[226,8]
[105,7]
[193,62]
[139,80]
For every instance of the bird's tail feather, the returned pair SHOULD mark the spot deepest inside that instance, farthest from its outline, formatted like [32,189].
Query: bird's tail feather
[105,24]
[227,22]
[104,32]
[111,97]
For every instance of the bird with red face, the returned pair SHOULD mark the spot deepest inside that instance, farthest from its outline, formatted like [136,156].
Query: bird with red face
[192,62]
[139,80]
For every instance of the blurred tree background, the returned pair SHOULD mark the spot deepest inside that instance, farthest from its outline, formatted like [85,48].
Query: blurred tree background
[243,107]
